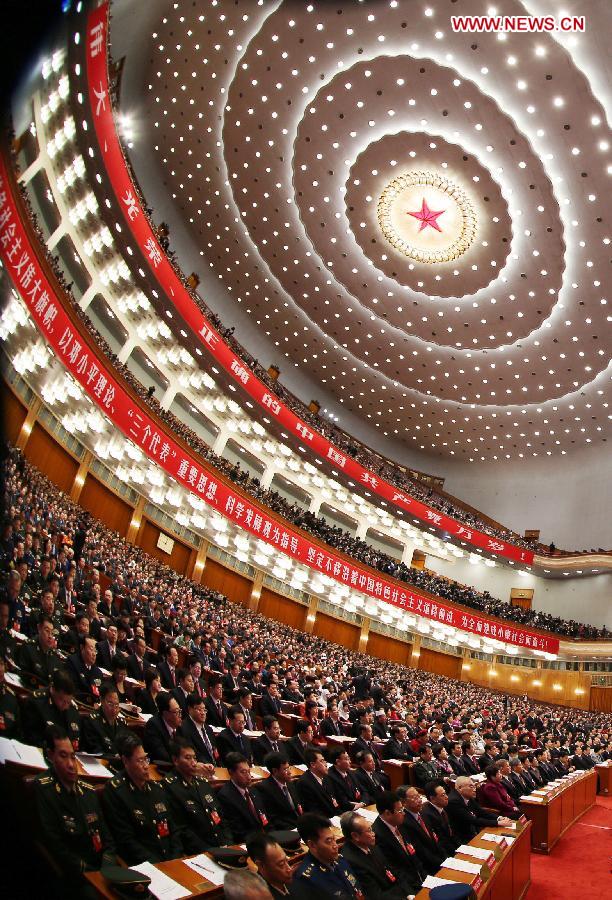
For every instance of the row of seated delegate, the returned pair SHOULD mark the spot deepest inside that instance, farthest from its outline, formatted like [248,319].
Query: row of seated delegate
[202,672]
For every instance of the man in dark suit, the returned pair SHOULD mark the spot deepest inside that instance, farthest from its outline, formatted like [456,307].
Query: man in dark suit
[161,729]
[85,674]
[269,742]
[470,763]
[232,684]
[398,746]
[183,688]
[231,739]
[466,816]
[367,778]
[520,784]
[107,648]
[300,743]
[279,795]
[167,669]
[377,878]
[331,725]
[216,713]
[380,726]
[345,788]
[272,864]
[392,844]
[448,738]
[364,743]
[199,734]
[416,831]
[314,788]
[580,760]
[243,811]
[456,760]
[436,818]
[270,703]
[488,758]
[138,661]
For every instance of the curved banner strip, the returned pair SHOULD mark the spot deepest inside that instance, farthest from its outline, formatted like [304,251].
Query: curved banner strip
[138,224]
[88,369]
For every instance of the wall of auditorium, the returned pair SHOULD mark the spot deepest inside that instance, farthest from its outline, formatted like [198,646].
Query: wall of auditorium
[582,599]
[50,457]
[543,685]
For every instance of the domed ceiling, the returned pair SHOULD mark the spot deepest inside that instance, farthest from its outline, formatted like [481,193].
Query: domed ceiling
[418,218]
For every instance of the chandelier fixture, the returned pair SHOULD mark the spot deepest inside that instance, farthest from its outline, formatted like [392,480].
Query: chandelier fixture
[426,217]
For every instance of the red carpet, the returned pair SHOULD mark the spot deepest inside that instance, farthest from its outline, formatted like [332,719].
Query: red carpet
[579,866]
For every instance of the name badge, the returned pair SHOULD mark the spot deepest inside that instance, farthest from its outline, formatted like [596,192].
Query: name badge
[264,819]
[162,829]
[215,817]
[96,841]
[410,849]
[390,876]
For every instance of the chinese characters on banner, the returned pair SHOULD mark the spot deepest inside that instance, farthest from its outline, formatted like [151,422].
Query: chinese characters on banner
[91,373]
[138,224]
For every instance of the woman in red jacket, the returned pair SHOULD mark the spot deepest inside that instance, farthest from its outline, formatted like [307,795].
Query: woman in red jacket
[493,794]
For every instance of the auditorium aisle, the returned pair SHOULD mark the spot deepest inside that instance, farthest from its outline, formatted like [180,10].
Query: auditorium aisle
[580,864]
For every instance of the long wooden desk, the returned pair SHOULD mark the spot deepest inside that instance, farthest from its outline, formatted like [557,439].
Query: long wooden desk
[604,773]
[559,809]
[511,875]
[176,869]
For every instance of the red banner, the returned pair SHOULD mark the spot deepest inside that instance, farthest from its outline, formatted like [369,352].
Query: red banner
[91,372]
[138,224]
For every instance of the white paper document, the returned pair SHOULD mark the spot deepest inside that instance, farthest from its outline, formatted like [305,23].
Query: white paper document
[476,852]
[433,881]
[161,886]
[207,868]
[531,797]
[28,756]
[461,865]
[93,767]
[335,821]
[301,767]
[497,838]
[14,680]
[369,814]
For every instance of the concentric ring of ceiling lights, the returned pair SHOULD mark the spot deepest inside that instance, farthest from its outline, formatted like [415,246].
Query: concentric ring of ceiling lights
[263,117]
[394,206]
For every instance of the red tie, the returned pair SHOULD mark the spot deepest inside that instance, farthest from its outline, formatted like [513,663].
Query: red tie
[251,805]
[423,825]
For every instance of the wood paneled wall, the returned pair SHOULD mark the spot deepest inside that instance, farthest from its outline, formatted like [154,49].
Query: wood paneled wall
[236,587]
[601,699]
[388,648]
[275,606]
[439,663]
[544,685]
[179,559]
[46,454]
[13,413]
[102,503]
[336,630]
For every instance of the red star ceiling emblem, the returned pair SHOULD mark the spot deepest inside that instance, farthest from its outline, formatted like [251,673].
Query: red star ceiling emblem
[427,216]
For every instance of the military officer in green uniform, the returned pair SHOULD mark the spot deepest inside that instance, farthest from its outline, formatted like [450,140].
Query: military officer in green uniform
[194,808]
[53,706]
[71,821]
[323,873]
[104,728]
[38,659]
[137,810]
[425,769]
[10,723]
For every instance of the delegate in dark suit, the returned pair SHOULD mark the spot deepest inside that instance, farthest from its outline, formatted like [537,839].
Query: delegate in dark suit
[346,790]
[282,813]
[296,750]
[228,742]
[437,820]
[317,798]
[157,740]
[425,842]
[205,752]
[369,785]
[261,746]
[401,860]
[104,656]
[467,819]
[377,878]
[269,706]
[237,813]
[215,714]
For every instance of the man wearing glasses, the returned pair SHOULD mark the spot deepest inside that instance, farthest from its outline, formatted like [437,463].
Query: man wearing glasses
[138,810]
